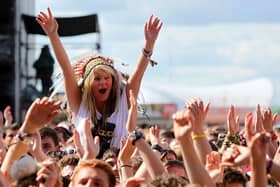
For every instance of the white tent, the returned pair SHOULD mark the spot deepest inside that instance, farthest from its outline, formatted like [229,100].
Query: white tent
[242,94]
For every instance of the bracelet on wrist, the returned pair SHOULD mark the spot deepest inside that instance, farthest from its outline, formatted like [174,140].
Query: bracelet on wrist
[23,137]
[148,55]
[125,166]
[198,136]
[157,147]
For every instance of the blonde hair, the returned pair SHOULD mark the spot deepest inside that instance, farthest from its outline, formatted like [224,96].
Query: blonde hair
[88,97]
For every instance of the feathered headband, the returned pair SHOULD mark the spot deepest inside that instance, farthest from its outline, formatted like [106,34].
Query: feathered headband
[85,66]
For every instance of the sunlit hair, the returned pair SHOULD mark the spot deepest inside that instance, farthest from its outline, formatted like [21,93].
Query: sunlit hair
[94,163]
[88,97]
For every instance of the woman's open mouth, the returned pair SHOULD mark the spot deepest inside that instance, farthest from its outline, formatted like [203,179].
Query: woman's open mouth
[102,90]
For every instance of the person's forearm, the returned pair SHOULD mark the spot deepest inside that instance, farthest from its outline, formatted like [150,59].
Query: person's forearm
[40,156]
[152,162]
[71,86]
[15,151]
[202,146]
[60,53]
[259,177]
[134,81]
[194,167]
[142,172]
[125,170]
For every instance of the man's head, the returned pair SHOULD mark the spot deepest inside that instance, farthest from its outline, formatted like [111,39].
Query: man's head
[233,177]
[49,140]
[176,167]
[63,132]
[9,132]
[93,173]
[166,137]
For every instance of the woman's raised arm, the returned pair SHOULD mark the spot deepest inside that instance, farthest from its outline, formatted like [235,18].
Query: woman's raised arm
[151,31]
[50,27]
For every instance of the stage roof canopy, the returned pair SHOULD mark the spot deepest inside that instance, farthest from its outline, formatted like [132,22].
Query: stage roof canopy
[68,26]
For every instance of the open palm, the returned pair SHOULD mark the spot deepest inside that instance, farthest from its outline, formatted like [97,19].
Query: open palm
[47,22]
[152,28]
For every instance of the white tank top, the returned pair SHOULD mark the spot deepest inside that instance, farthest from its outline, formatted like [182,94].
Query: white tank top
[119,118]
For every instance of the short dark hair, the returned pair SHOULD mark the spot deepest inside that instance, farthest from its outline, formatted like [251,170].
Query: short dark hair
[13,127]
[69,160]
[110,153]
[167,134]
[66,134]
[49,132]
[169,163]
[28,180]
[232,175]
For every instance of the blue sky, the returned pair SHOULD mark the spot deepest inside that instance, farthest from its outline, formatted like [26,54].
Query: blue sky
[203,43]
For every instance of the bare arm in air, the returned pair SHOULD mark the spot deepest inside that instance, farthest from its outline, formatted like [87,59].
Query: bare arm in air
[50,26]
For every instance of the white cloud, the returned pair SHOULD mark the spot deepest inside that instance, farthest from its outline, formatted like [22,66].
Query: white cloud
[221,48]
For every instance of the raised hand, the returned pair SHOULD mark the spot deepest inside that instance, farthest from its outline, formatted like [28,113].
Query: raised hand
[91,146]
[8,115]
[151,31]
[183,122]
[36,148]
[259,146]
[47,22]
[199,112]
[126,151]
[41,112]
[214,166]
[259,120]
[235,155]
[154,134]
[258,152]
[232,121]
[249,127]
[78,145]
[268,120]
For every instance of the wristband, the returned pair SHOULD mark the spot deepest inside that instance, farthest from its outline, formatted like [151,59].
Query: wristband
[148,55]
[157,147]
[23,137]
[136,135]
[198,136]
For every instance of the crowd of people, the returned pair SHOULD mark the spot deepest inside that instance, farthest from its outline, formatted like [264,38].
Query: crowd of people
[102,145]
